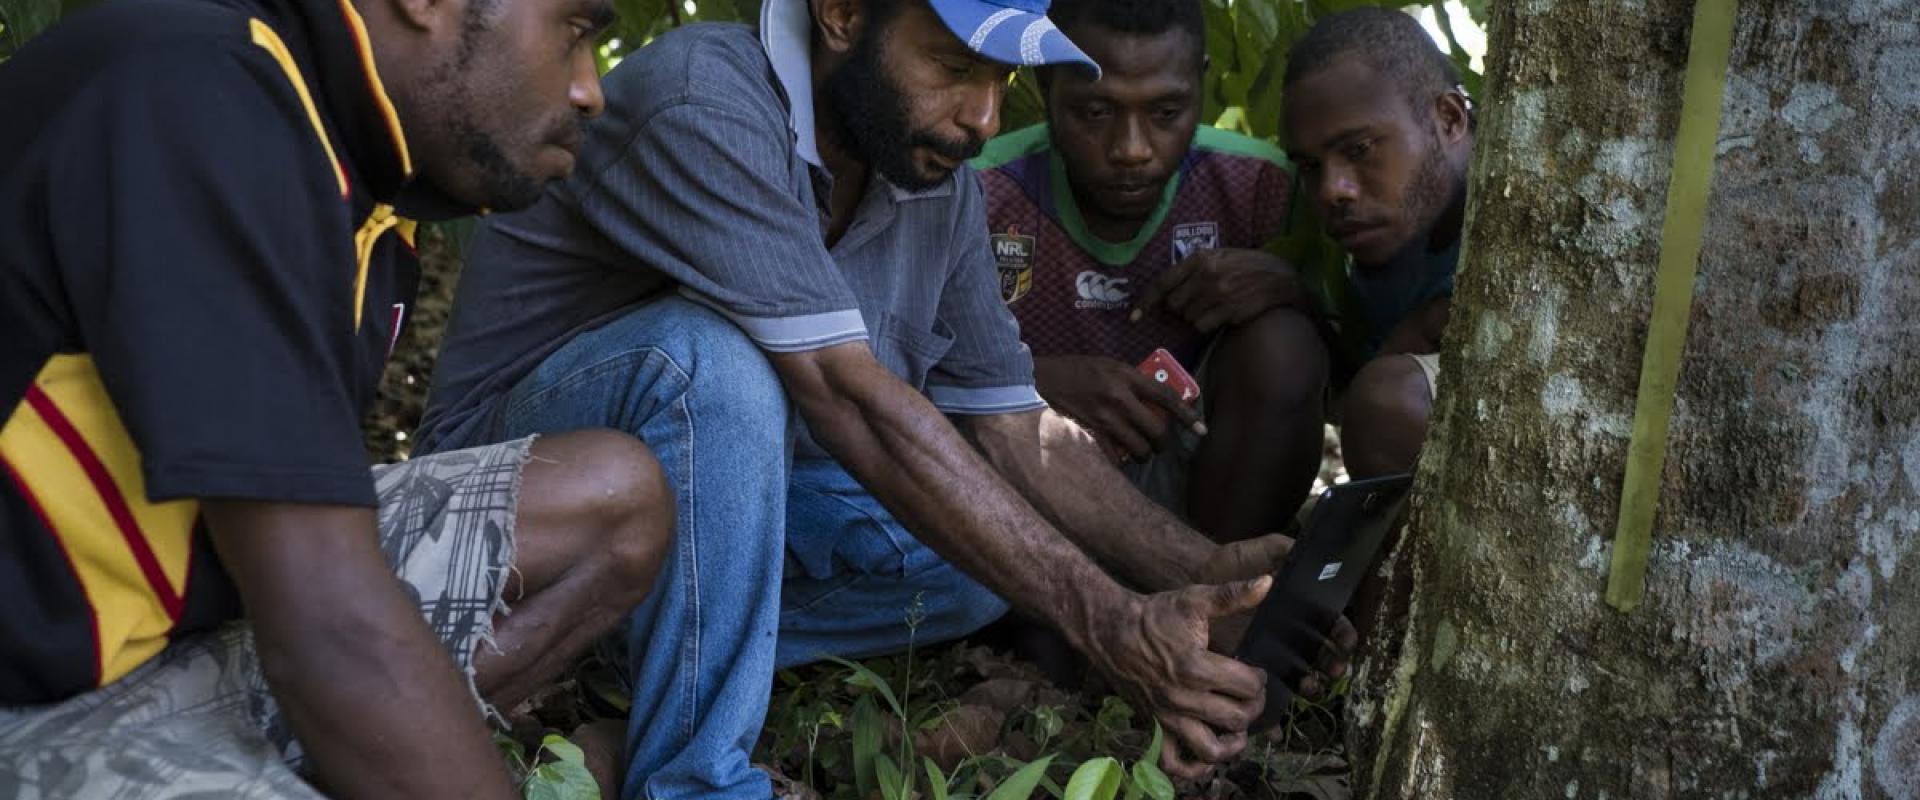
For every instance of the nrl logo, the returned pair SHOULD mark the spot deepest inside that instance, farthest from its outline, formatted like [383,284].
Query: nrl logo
[1013,254]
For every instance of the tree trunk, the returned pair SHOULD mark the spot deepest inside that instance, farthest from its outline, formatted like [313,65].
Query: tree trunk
[1777,651]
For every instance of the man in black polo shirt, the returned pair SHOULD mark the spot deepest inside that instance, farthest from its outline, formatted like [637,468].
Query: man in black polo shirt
[206,225]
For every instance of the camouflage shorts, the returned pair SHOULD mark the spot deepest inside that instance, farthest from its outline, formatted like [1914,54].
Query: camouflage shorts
[198,719]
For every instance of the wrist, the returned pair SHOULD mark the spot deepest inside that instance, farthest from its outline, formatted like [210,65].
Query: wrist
[1189,559]
[1093,614]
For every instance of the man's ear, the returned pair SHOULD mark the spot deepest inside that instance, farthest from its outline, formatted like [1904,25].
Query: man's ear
[1451,112]
[838,23]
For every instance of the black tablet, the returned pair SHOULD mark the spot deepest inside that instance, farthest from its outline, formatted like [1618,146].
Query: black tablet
[1318,579]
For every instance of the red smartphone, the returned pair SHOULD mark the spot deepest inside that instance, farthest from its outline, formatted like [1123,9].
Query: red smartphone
[1163,368]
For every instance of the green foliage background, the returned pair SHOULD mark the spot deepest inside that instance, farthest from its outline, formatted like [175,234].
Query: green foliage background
[1247,44]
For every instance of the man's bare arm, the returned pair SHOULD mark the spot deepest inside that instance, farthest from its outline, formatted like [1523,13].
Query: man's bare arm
[1096,507]
[909,456]
[371,693]
[913,460]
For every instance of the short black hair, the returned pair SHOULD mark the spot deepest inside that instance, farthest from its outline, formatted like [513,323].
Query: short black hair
[1138,17]
[880,13]
[1390,41]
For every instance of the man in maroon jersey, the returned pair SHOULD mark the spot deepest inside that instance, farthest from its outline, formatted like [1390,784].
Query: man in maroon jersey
[1121,225]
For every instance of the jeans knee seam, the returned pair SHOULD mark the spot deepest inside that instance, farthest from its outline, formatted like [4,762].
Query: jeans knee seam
[623,359]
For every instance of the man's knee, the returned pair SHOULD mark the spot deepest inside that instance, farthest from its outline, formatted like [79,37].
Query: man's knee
[1278,357]
[667,353]
[1384,416]
[723,365]
[618,489]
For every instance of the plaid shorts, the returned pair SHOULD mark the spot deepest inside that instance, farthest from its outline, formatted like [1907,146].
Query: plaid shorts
[198,719]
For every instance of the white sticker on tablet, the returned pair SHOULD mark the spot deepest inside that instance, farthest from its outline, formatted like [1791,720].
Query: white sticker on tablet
[1328,572]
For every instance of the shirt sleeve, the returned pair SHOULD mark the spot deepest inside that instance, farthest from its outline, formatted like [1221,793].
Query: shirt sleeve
[988,370]
[714,197]
[206,254]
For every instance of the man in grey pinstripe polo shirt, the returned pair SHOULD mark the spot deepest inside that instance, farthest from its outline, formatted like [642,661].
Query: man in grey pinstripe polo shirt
[786,218]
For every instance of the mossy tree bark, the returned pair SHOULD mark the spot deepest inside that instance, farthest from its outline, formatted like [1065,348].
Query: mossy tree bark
[1777,652]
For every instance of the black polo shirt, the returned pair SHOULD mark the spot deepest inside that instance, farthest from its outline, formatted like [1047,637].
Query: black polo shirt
[201,274]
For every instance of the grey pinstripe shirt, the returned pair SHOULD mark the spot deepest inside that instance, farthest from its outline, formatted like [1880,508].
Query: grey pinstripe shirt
[704,176]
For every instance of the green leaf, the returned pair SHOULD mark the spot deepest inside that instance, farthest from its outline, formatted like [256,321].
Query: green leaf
[565,778]
[562,749]
[1020,785]
[936,780]
[893,786]
[1476,11]
[1114,713]
[25,19]
[1047,724]
[512,753]
[862,676]
[1146,772]
[1098,779]
[866,743]
[1151,781]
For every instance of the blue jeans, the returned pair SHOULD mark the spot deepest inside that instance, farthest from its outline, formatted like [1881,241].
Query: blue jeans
[704,646]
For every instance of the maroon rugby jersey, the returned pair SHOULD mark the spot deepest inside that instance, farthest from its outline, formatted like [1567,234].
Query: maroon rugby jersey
[1072,291]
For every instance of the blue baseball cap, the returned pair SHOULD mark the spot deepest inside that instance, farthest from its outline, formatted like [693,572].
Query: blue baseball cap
[1010,32]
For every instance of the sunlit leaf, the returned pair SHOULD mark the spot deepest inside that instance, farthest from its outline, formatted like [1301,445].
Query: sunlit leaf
[1098,779]
[564,778]
[1147,777]
[1020,785]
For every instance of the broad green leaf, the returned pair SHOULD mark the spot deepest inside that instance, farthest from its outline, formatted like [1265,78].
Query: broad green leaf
[1098,779]
[1151,781]
[1020,785]
[1147,776]
[1263,101]
[563,750]
[565,778]
[936,780]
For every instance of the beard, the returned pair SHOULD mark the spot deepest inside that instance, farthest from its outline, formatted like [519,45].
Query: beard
[870,116]
[490,179]
[1435,188]
[505,186]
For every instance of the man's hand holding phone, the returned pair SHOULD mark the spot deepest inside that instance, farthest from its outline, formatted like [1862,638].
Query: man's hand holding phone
[1124,407]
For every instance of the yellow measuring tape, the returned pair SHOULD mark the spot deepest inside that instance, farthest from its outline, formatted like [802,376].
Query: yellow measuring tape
[1693,155]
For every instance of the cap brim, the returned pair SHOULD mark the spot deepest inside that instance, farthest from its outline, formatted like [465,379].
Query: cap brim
[1009,35]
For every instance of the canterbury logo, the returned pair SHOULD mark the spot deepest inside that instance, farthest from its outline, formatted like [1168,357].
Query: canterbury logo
[1099,288]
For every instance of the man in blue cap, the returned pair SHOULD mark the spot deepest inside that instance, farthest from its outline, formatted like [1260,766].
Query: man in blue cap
[786,217]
